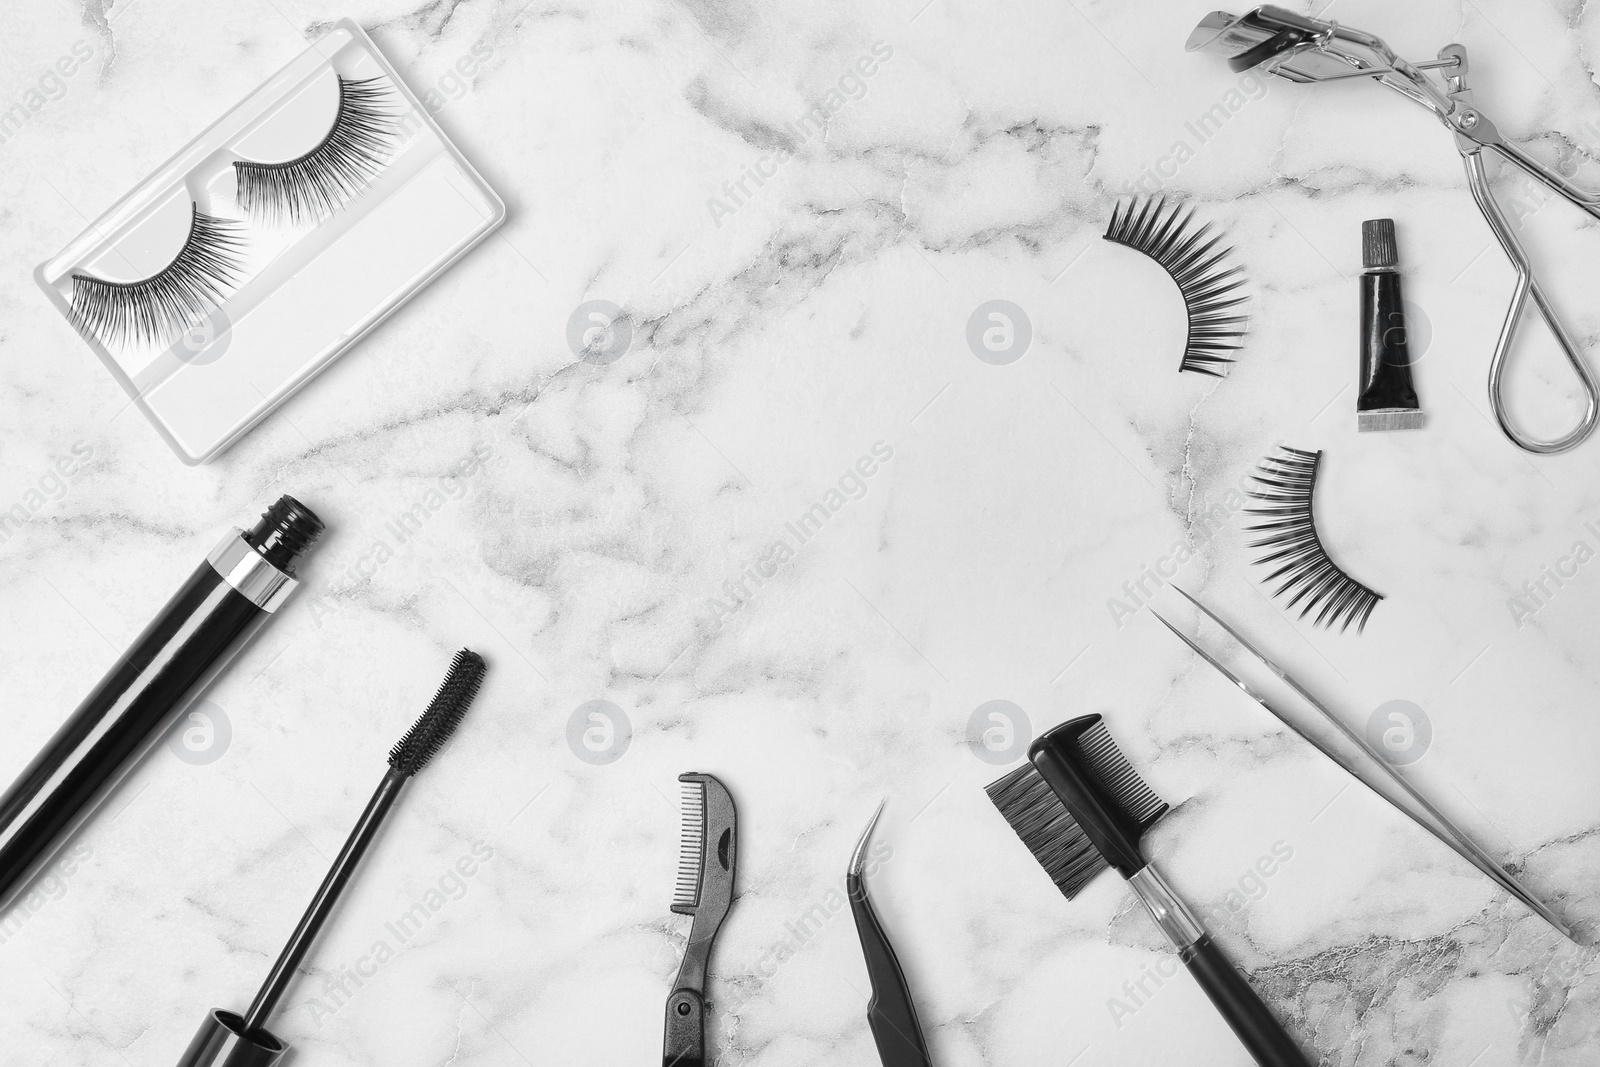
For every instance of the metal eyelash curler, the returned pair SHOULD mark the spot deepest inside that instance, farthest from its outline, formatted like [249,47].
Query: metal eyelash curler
[1304,49]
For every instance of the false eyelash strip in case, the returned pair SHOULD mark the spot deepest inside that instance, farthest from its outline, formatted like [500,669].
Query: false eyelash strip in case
[323,180]
[174,299]
[315,185]
[1290,529]
[209,333]
[1210,292]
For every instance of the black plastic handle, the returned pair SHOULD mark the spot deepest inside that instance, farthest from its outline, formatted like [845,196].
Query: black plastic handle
[686,1030]
[1257,1028]
[891,1012]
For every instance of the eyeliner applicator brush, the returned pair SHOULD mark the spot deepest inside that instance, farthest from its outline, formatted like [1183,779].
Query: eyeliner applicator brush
[226,1039]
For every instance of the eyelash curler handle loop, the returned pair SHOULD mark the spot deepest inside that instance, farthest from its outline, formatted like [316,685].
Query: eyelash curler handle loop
[1474,133]
[1527,285]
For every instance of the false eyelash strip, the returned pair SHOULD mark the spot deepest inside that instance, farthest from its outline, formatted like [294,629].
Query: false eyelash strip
[1290,532]
[180,296]
[326,178]
[1210,292]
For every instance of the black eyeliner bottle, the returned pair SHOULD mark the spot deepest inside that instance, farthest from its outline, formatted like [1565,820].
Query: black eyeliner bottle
[225,601]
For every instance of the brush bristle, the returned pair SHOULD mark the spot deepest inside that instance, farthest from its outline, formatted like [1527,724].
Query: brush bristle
[691,848]
[1045,825]
[434,726]
[1117,779]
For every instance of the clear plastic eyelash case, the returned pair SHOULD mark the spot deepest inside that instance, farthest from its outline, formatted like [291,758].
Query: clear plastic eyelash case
[273,242]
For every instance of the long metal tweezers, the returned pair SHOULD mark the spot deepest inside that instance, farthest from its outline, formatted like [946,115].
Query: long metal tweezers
[1427,816]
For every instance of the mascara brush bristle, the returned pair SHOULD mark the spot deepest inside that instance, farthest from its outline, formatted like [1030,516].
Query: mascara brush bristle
[434,726]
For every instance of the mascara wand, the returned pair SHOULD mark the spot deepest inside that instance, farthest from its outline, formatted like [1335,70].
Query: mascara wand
[226,1039]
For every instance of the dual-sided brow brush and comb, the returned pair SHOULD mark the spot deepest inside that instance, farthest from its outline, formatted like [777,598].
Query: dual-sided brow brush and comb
[227,1039]
[709,851]
[1080,807]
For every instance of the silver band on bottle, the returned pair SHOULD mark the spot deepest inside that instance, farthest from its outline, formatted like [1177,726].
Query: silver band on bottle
[242,567]
[1169,912]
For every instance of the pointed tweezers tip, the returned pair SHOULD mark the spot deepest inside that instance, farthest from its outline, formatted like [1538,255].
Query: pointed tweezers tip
[859,856]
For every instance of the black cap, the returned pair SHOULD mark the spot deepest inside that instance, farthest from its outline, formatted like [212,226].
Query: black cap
[222,1041]
[1377,244]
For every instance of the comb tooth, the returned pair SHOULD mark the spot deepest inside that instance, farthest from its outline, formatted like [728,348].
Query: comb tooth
[1117,776]
[1044,824]
[691,848]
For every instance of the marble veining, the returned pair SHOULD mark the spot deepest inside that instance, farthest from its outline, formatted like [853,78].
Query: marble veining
[788,218]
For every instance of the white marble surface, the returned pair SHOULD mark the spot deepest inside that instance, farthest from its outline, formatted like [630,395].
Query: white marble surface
[770,350]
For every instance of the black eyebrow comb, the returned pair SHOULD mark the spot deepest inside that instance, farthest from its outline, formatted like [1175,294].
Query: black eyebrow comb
[708,855]
[1080,807]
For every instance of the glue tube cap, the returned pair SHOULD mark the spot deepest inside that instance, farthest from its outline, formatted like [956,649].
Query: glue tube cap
[222,1042]
[1377,244]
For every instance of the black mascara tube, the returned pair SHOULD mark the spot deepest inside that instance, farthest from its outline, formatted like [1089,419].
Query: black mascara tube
[1388,400]
[199,631]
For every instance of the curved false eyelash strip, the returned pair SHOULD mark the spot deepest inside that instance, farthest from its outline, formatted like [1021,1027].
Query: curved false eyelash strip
[1290,531]
[165,304]
[1210,290]
[322,181]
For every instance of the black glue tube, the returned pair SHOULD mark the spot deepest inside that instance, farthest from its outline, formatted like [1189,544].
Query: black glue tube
[1388,400]
[205,624]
